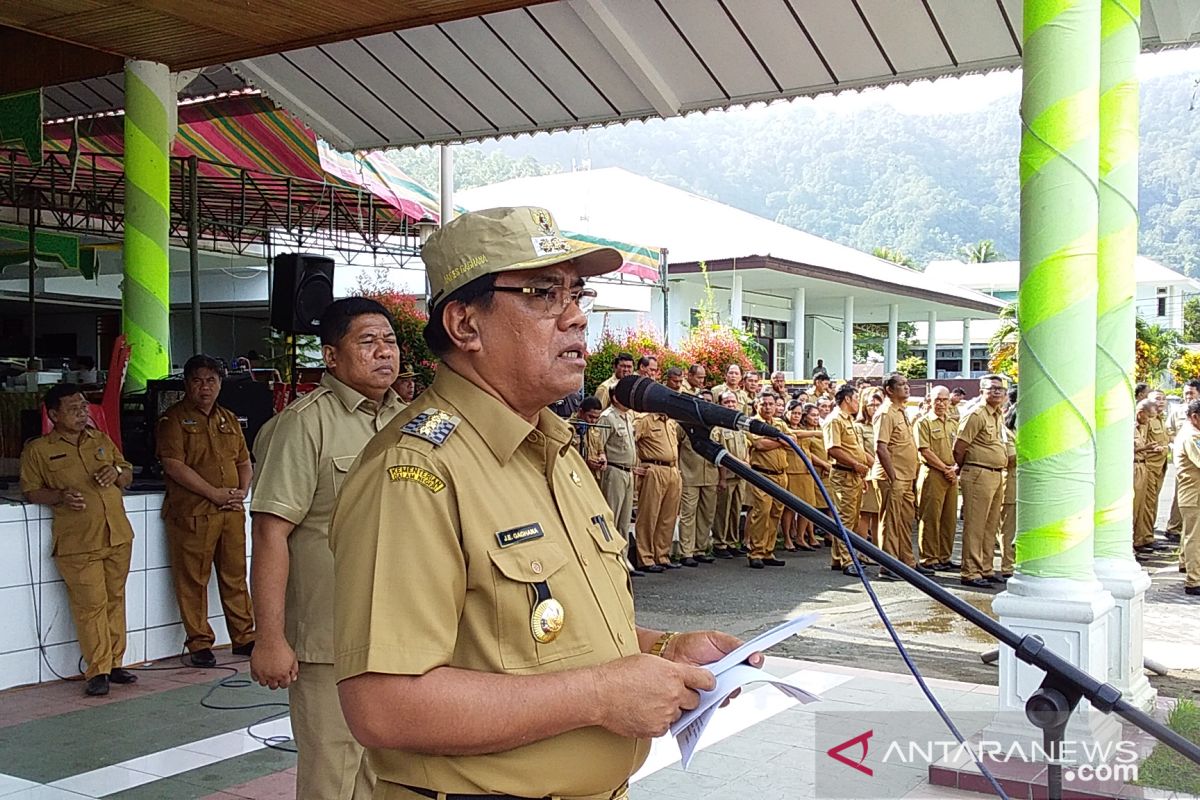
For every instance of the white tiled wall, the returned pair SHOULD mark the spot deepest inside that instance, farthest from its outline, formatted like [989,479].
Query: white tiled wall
[151,613]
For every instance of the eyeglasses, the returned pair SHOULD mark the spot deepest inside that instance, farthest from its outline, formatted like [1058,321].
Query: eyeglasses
[555,299]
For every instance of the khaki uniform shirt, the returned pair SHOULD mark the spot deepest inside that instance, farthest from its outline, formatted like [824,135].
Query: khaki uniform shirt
[722,388]
[301,466]
[840,431]
[936,434]
[657,438]
[212,445]
[53,462]
[1010,475]
[439,550]
[617,439]
[775,460]
[1187,461]
[984,432]
[735,442]
[954,415]
[892,428]
[695,469]
[604,391]
[1157,435]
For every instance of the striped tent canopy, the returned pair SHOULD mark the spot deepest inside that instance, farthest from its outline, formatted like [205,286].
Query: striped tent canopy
[639,262]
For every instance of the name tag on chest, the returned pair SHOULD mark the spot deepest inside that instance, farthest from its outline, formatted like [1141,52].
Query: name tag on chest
[522,533]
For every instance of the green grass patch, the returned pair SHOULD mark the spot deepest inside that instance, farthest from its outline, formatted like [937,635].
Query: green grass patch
[1166,769]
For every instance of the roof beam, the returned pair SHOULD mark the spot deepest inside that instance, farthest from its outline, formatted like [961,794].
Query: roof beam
[1176,19]
[612,35]
[262,80]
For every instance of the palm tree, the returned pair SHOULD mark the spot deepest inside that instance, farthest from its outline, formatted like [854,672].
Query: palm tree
[895,256]
[982,252]
[1004,342]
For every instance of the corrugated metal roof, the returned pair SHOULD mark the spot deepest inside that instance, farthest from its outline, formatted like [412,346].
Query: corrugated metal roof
[573,63]
[1004,276]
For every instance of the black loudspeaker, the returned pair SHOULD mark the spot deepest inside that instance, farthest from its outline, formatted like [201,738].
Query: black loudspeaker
[250,400]
[302,289]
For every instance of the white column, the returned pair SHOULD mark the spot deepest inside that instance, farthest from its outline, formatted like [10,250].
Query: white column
[847,338]
[889,354]
[446,183]
[931,348]
[966,351]
[798,332]
[735,303]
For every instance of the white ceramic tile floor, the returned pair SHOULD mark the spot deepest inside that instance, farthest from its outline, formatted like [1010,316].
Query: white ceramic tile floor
[106,780]
[10,784]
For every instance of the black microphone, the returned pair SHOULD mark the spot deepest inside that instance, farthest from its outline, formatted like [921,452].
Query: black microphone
[643,394]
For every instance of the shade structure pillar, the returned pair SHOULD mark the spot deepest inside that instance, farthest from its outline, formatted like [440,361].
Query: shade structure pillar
[931,348]
[848,337]
[966,349]
[735,303]
[889,357]
[798,300]
[446,183]
[1115,565]
[1055,594]
[149,114]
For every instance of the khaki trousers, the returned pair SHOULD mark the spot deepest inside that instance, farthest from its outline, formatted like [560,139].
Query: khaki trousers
[1141,480]
[658,508]
[1175,521]
[198,544]
[697,508]
[983,494]
[617,486]
[847,496]
[762,527]
[897,509]
[937,515]
[95,584]
[727,525]
[330,764]
[1147,511]
[1008,537]
[1189,545]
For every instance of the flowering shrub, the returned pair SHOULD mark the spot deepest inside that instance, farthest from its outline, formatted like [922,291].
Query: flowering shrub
[639,342]
[408,320]
[716,347]
[1186,367]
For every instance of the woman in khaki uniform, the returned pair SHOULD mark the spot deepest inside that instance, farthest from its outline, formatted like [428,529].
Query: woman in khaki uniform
[870,398]
[1187,461]
[769,457]
[797,531]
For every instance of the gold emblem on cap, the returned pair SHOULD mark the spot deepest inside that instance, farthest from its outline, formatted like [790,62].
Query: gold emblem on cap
[575,477]
[546,621]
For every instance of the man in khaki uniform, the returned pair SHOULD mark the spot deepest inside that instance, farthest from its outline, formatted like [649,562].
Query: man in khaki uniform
[954,413]
[1141,444]
[937,485]
[850,467]
[893,475]
[301,463]
[657,440]
[698,502]
[731,490]
[622,366]
[1008,510]
[405,384]
[79,473]
[769,457]
[207,465]
[1187,461]
[779,388]
[981,456]
[1156,469]
[616,442]
[696,375]
[1175,422]
[487,645]
[733,383]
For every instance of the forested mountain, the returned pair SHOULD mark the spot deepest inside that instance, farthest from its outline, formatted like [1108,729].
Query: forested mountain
[867,174]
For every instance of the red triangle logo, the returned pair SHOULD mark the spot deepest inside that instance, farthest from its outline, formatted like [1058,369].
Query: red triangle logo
[835,752]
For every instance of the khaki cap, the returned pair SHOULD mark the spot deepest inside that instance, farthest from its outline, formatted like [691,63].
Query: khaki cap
[504,240]
[406,371]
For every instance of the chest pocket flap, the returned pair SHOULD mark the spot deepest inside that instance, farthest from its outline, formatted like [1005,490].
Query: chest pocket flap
[532,562]
[341,466]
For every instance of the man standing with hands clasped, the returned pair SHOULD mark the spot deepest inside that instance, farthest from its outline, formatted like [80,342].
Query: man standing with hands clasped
[204,456]
[486,645]
[982,456]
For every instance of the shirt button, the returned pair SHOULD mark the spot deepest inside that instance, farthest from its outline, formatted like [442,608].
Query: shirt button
[536,566]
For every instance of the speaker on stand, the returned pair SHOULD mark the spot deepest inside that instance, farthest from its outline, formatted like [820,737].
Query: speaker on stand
[301,290]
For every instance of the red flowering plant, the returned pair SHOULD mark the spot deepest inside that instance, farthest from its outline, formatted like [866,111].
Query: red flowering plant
[716,347]
[639,342]
[408,321]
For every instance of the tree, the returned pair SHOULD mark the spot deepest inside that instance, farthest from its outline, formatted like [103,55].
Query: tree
[1186,367]
[1156,347]
[1003,344]
[912,367]
[871,337]
[895,256]
[981,252]
[1191,320]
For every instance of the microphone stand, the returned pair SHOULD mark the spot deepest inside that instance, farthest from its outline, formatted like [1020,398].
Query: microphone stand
[1065,684]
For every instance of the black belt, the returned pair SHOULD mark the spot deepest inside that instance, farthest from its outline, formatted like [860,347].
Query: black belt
[1139,461]
[844,468]
[621,466]
[981,466]
[766,471]
[658,463]
[430,793]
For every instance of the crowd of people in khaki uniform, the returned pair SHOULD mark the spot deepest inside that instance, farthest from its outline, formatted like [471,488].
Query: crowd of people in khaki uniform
[463,554]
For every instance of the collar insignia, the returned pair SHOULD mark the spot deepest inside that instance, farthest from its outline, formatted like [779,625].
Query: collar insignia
[432,425]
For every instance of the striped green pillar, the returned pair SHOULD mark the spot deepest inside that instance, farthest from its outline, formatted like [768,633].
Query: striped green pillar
[1120,42]
[1059,158]
[145,288]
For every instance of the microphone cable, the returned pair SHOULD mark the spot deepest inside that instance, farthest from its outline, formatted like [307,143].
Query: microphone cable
[887,623]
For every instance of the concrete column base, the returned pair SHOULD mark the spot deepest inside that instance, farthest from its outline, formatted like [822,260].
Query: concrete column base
[1127,582]
[1073,618]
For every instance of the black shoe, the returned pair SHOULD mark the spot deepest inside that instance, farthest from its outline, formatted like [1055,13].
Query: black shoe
[756,563]
[243,649]
[886,574]
[1191,589]
[1172,536]
[924,570]
[122,676]
[1006,575]
[203,659]
[723,553]
[774,562]
[994,579]
[671,565]
[690,562]
[655,568]
[949,566]
[703,559]
[743,549]
[1145,548]
[97,686]
[850,570]
[975,583]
